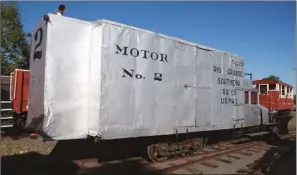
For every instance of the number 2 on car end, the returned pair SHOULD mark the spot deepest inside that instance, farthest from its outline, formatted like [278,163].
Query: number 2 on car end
[37,54]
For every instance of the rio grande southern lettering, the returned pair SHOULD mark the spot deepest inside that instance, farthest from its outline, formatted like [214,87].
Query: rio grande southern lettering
[228,82]
[132,74]
[238,73]
[141,53]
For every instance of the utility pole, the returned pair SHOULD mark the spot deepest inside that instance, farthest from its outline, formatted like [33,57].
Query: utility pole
[295,77]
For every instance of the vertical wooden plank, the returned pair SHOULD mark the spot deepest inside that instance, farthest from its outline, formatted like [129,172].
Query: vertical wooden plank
[18,92]
[25,91]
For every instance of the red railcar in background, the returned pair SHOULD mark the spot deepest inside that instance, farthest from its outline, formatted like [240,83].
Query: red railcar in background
[275,95]
[14,98]
[20,90]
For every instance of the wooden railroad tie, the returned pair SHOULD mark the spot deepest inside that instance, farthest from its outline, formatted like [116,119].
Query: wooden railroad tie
[211,165]
[234,157]
[224,160]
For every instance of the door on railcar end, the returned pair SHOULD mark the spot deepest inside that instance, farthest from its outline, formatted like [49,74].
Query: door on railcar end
[264,111]
[252,112]
[238,75]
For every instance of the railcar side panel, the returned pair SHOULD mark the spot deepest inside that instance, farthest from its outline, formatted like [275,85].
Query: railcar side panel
[273,101]
[151,85]
[116,81]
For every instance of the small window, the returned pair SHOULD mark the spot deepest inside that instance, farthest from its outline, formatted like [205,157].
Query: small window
[288,91]
[272,86]
[254,98]
[246,97]
[283,90]
[263,89]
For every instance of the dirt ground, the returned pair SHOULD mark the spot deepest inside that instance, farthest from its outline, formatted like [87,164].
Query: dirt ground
[21,145]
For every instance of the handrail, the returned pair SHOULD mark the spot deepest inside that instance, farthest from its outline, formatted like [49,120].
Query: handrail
[249,74]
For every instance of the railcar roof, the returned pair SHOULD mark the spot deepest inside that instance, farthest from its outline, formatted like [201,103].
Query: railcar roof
[271,82]
[98,22]
[164,36]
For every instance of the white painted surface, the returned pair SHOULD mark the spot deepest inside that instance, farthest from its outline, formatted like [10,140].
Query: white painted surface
[82,85]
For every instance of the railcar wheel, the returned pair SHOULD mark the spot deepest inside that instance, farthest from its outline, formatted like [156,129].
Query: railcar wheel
[155,152]
[162,149]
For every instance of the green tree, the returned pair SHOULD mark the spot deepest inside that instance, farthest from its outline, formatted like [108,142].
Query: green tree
[272,77]
[15,51]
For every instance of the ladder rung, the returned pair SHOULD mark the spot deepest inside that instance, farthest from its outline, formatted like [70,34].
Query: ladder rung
[4,118]
[6,126]
[6,109]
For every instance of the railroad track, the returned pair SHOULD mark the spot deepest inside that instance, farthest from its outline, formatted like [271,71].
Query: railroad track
[222,158]
[229,157]
[210,160]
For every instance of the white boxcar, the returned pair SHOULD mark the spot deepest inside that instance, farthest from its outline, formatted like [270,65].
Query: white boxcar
[116,81]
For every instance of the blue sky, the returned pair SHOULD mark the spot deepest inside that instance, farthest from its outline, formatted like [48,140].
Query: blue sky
[262,32]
